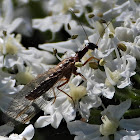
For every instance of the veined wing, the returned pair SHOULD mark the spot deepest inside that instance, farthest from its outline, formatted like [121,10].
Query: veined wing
[34,84]
[43,87]
[22,109]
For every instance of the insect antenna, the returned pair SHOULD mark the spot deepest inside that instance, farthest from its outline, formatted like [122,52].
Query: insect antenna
[103,31]
[80,24]
[103,21]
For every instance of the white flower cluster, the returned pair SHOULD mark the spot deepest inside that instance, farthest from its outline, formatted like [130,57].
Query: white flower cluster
[111,75]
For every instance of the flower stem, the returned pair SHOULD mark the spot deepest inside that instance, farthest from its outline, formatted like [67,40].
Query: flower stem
[127,93]
[95,115]
[133,113]
[137,78]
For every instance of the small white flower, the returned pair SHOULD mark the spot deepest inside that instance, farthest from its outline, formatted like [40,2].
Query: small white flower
[70,45]
[10,44]
[7,88]
[117,73]
[116,11]
[16,57]
[107,4]
[111,121]
[109,126]
[52,23]
[130,14]
[7,22]
[18,69]
[57,7]
[27,134]
[61,47]
[66,106]
[124,34]
[122,71]
[133,48]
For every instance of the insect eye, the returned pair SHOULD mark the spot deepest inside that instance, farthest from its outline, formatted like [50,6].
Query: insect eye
[71,60]
[91,46]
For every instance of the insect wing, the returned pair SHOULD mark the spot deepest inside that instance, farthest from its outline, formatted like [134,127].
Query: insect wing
[44,86]
[21,109]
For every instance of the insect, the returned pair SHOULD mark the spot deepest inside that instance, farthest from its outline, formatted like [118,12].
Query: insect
[29,100]
[24,106]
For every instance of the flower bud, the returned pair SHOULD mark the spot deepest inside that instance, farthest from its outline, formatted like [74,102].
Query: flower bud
[102,62]
[111,35]
[93,65]
[74,36]
[100,14]
[122,47]
[78,64]
[91,15]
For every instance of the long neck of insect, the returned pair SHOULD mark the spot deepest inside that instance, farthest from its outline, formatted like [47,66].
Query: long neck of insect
[81,53]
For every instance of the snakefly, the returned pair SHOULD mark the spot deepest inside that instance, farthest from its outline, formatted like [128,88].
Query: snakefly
[27,102]
[31,98]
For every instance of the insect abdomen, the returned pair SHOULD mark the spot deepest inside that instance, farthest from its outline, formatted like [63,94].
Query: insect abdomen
[42,88]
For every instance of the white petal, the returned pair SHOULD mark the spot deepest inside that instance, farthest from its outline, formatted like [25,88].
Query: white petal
[53,23]
[130,67]
[4,138]
[108,92]
[68,112]
[15,137]
[136,137]
[15,24]
[80,128]
[124,83]
[130,124]
[124,34]
[28,132]
[43,121]
[42,56]
[8,11]
[127,135]
[117,111]
[93,101]
[56,119]
[62,47]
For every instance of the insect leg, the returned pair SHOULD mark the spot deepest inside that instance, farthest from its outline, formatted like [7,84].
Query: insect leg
[30,113]
[77,73]
[67,80]
[54,96]
[90,60]
[22,111]
[29,117]
[63,79]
